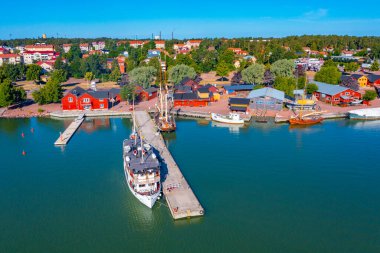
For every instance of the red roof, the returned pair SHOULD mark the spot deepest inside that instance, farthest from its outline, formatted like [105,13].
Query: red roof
[138,42]
[67,45]
[159,41]
[30,47]
[195,41]
[8,55]
[41,52]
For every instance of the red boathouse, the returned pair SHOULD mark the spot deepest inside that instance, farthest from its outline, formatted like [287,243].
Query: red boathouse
[335,94]
[80,99]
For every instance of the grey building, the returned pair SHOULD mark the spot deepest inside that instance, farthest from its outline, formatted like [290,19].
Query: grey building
[266,99]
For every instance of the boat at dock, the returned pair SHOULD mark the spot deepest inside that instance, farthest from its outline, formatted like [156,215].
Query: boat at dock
[141,169]
[165,122]
[365,114]
[232,118]
[306,119]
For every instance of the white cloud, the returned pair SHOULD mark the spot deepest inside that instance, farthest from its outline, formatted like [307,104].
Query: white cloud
[316,14]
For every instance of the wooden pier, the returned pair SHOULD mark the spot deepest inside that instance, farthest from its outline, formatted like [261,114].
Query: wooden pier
[65,137]
[181,199]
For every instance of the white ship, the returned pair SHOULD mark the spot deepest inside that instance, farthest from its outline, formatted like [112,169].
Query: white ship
[232,118]
[370,113]
[141,169]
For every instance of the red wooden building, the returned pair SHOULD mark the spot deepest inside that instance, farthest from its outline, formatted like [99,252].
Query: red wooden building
[374,80]
[146,94]
[335,94]
[189,99]
[80,99]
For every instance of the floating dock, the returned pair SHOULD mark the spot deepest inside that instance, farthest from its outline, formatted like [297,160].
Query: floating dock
[65,137]
[181,199]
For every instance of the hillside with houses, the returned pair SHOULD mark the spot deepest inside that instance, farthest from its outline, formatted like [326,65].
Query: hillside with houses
[249,75]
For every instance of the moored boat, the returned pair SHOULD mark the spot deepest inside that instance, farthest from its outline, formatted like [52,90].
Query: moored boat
[141,169]
[366,114]
[232,118]
[306,119]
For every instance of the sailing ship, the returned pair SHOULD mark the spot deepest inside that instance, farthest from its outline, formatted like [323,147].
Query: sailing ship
[232,118]
[141,168]
[164,120]
[302,118]
[306,119]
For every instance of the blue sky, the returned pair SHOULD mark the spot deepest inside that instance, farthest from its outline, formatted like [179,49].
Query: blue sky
[189,19]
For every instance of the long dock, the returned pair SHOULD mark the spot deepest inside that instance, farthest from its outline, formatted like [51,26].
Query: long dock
[181,199]
[65,137]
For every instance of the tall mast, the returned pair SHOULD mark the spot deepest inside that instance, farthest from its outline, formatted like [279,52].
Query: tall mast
[142,153]
[166,106]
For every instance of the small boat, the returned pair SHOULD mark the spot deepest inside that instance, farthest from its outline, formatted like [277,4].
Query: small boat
[369,113]
[306,119]
[232,118]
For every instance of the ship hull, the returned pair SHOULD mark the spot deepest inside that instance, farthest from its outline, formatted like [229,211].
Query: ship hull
[147,200]
[305,121]
[218,118]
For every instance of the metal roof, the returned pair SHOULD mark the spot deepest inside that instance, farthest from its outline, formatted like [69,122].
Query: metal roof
[267,92]
[240,101]
[239,87]
[330,89]
[373,78]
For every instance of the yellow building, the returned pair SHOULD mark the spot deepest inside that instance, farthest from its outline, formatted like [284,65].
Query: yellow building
[362,79]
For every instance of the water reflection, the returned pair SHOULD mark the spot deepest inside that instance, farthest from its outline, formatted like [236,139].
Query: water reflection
[91,125]
[234,129]
[363,124]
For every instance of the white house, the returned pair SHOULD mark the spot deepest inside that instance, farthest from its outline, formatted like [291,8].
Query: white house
[10,59]
[66,47]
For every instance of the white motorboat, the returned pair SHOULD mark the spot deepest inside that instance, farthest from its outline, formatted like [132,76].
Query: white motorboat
[232,118]
[369,113]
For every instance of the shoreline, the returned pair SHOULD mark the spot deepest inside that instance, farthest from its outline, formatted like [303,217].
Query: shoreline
[177,113]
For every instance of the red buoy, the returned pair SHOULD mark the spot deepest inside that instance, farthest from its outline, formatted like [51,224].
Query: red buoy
[22,135]
[23,152]
[32,130]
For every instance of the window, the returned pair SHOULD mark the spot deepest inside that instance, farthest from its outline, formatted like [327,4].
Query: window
[336,99]
[70,99]
[347,93]
[101,105]
[86,100]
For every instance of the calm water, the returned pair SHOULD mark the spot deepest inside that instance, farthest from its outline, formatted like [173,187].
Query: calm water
[265,189]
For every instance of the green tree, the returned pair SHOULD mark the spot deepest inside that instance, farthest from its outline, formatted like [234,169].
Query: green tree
[222,69]
[178,72]
[254,74]
[369,95]
[282,68]
[227,56]
[115,75]
[143,76]
[51,93]
[59,75]
[9,94]
[33,72]
[351,67]
[375,66]
[6,98]
[311,88]
[285,84]
[89,76]
[329,74]
[128,92]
